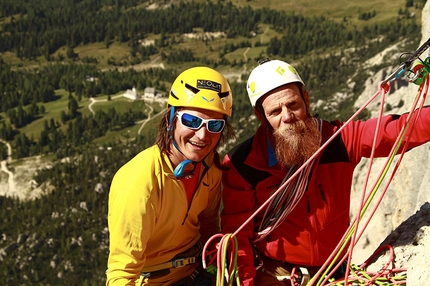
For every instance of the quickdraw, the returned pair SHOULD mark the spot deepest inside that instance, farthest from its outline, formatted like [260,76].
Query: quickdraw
[417,72]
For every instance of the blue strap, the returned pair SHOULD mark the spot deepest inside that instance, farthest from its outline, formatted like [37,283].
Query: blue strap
[179,170]
[170,127]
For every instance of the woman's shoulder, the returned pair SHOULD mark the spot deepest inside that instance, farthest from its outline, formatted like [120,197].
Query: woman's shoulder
[139,169]
[143,160]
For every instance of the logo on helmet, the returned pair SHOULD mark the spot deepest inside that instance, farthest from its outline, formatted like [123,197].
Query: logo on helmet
[207,84]
[293,70]
[208,100]
[252,86]
[280,70]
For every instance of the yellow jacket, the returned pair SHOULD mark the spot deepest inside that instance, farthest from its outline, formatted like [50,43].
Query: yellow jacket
[149,218]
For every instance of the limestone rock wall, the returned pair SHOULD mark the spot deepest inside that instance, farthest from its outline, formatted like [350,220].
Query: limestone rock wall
[403,217]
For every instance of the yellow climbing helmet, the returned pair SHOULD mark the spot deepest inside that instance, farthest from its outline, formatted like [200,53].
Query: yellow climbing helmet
[201,87]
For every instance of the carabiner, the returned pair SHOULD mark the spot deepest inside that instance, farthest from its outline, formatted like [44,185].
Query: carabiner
[395,75]
[419,71]
[405,66]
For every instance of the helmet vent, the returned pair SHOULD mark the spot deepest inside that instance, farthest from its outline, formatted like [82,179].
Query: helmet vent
[192,88]
[173,95]
[223,94]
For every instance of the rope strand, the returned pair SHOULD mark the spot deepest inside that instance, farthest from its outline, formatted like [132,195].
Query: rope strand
[355,275]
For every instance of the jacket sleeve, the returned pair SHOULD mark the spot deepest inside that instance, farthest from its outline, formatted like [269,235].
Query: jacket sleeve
[131,221]
[358,136]
[239,204]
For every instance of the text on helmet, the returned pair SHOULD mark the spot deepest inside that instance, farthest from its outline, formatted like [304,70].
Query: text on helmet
[207,84]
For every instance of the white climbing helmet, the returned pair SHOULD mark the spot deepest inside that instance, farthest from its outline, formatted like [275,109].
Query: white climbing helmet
[268,75]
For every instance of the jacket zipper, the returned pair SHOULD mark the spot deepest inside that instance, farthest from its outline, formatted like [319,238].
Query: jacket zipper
[197,188]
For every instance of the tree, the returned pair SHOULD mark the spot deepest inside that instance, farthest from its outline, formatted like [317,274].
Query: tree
[71,53]
[63,117]
[73,107]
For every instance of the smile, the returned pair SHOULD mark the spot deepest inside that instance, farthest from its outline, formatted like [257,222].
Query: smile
[198,145]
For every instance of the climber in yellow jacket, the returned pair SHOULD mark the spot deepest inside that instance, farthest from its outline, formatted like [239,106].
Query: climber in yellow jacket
[165,202]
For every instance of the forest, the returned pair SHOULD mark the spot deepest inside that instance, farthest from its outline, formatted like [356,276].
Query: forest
[61,238]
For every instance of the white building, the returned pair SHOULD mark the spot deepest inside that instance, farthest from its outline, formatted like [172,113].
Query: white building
[132,94]
[149,92]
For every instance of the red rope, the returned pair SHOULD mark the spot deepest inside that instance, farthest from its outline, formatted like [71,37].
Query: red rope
[412,117]
[222,246]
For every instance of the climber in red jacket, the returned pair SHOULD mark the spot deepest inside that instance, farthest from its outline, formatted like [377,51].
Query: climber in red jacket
[286,138]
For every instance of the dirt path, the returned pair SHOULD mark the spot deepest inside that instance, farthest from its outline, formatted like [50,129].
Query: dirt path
[237,76]
[149,117]
[93,101]
[245,57]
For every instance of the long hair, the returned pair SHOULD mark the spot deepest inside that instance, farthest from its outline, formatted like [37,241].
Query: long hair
[165,135]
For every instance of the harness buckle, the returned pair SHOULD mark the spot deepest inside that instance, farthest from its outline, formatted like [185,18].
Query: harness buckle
[181,262]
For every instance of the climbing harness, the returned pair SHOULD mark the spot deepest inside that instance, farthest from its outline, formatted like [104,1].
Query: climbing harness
[417,72]
[187,258]
[175,263]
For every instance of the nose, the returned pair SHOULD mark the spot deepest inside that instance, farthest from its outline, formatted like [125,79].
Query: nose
[202,132]
[287,115]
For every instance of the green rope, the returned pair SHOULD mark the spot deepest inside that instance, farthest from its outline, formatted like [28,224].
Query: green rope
[362,277]
[234,275]
[365,207]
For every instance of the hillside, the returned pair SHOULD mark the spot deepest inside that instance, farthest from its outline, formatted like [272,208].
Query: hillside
[38,108]
[54,186]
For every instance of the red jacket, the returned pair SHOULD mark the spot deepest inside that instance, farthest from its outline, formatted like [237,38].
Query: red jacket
[315,226]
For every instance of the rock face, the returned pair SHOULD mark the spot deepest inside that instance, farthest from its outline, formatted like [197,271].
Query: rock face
[403,217]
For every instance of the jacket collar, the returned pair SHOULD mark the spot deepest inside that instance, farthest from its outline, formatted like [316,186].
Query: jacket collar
[168,168]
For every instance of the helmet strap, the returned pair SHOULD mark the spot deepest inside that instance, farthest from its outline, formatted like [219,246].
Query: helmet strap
[180,168]
[170,126]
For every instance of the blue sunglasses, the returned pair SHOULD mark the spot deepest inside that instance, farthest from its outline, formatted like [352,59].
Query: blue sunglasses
[194,122]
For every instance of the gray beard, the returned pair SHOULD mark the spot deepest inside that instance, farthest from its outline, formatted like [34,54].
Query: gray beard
[296,142]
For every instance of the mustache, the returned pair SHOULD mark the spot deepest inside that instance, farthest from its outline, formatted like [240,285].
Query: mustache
[297,128]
